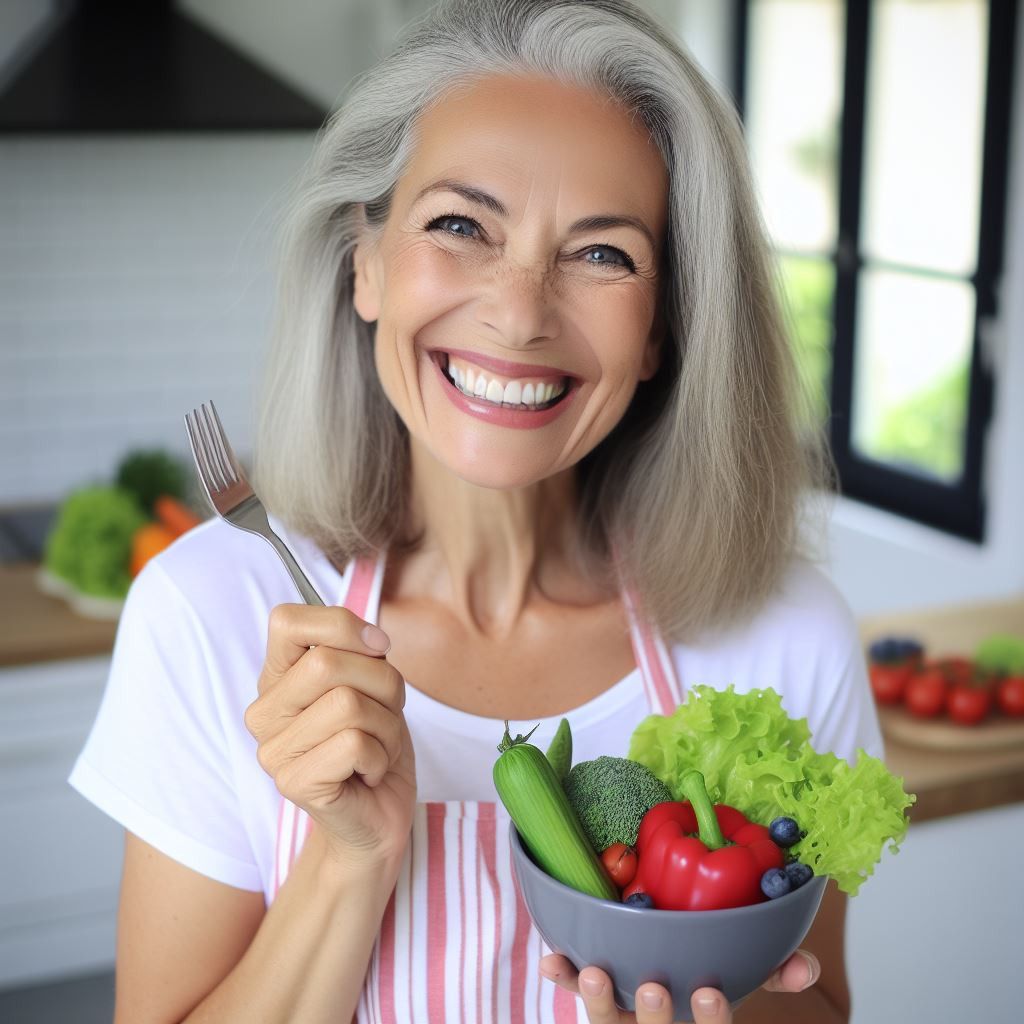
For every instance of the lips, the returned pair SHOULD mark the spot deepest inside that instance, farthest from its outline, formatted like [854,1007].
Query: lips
[504,366]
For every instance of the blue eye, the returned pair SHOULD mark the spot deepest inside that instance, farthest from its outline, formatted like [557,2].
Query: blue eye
[435,224]
[624,260]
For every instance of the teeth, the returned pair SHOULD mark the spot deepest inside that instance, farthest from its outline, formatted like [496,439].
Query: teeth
[476,384]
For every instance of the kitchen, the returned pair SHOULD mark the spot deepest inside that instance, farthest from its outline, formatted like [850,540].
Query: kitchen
[138,282]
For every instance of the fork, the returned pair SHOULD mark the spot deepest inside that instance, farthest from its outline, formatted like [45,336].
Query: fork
[230,494]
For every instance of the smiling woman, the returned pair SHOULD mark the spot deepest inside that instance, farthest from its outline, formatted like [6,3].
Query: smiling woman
[544,267]
[564,183]
[530,418]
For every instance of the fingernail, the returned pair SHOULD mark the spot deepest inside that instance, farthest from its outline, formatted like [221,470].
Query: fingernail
[592,986]
[709,1005]
[652,1000]
[376,639]
[813,969]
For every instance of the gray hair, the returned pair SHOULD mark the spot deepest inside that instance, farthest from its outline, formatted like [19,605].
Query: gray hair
[700,490]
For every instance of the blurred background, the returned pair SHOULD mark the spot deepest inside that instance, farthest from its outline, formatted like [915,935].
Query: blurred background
[146,151]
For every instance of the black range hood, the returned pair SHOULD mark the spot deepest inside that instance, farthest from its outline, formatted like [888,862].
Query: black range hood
[143,66]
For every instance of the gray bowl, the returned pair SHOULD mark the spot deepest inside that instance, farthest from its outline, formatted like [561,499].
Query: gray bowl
[734,950]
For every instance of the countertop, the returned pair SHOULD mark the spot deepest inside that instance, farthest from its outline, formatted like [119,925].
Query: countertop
[954,781]
[36,628]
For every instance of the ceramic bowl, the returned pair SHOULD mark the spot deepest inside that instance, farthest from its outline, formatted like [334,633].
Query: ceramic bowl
[734,950]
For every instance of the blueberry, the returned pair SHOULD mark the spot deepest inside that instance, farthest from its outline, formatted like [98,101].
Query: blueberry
[799,874]
[894,648]
[775,883]
[882,650]
[785,832]
[640,899]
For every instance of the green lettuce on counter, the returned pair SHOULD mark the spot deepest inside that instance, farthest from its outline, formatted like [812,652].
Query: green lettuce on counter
[756,758]
[90,545]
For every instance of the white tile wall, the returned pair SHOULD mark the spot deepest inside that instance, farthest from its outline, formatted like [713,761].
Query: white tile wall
[136,280]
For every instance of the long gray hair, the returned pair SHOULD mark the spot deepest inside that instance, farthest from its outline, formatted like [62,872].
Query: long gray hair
[700,490]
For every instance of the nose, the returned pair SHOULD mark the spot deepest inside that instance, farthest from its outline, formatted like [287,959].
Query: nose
[519,306]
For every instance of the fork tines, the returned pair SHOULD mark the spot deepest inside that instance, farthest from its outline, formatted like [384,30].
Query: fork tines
[218,467]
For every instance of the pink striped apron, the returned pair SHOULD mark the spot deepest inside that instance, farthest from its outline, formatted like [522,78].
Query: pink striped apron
[456,943]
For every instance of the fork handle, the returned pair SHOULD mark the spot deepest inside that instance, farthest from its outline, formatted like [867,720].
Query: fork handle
[305,588]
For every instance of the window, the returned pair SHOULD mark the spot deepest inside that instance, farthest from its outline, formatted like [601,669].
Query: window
[878,133]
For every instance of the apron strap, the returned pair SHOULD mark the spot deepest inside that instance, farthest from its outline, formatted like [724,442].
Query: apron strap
[661,681]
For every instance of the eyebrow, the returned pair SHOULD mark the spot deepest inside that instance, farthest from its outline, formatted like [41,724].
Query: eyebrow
[595,222]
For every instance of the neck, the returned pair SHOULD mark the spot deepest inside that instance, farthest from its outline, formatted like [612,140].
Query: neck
[488,553]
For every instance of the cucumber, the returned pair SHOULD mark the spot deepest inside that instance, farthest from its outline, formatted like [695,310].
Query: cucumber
[560,750]
[549,827]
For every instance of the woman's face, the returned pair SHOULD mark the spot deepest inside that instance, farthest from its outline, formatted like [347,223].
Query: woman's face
[488,271]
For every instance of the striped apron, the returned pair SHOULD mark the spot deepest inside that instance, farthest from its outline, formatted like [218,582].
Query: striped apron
[456,943]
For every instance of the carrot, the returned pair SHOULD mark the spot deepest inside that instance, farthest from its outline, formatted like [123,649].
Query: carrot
[148,540]
[176,516]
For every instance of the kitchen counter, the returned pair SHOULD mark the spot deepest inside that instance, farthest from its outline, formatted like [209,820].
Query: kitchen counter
[36,628]
[954,781]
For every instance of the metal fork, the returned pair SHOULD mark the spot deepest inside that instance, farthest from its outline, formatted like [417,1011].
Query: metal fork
[229,492]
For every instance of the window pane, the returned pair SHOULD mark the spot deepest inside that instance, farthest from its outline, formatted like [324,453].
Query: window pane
[793,100]
[808,285]
[912,365]
[925,114]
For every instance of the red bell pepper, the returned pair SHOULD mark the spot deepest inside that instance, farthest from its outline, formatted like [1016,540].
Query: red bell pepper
[680,872]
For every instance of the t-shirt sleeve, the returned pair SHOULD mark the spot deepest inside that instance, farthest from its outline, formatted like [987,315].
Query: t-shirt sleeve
[841,710]
[849,721]
[157,757]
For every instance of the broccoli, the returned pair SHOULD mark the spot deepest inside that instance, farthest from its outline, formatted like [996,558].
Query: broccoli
[611,795]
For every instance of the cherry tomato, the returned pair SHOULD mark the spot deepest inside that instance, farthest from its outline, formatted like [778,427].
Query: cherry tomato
[926,692]
[958,671]
[969,704]
[889,680]
[620,860]
[1010,695]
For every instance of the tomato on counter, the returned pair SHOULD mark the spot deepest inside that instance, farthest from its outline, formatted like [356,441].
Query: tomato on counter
[969,703]
[927,691]
[1010,695]
[889,681]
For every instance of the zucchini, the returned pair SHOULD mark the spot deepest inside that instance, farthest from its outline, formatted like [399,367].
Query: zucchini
[560,750]
[549,827]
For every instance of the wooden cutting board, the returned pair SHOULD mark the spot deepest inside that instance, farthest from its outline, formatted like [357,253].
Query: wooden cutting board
[947,632]
[994,733]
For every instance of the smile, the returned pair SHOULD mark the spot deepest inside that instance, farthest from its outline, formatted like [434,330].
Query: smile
[523,393]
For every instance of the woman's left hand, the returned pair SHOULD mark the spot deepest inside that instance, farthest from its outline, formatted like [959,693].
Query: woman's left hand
[708,1005]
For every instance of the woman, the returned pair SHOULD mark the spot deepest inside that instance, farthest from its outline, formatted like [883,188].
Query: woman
[530,418]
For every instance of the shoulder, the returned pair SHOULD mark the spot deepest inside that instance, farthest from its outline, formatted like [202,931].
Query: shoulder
[806,615]
[226,575]
[803,643]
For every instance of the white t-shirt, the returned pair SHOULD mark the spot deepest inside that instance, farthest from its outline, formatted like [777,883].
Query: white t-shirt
[169,756]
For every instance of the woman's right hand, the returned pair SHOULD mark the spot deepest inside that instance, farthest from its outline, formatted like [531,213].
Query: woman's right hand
[332,733]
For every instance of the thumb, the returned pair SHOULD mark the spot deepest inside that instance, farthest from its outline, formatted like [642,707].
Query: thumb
[800,971]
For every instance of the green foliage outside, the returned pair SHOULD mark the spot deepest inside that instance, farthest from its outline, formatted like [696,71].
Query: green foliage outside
[807,302]
[926,432]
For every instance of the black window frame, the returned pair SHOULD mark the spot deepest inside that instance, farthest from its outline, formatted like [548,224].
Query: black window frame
[957,508]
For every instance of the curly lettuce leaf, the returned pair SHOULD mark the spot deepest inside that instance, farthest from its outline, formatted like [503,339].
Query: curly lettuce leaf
[756,758]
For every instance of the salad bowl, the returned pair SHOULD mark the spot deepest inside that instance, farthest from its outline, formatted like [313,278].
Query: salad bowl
[735,950]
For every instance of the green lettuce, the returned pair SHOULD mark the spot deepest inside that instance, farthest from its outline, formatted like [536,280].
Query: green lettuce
[754,757]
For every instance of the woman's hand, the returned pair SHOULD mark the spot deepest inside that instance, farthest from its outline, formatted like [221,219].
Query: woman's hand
[653,1003]
[332,733]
